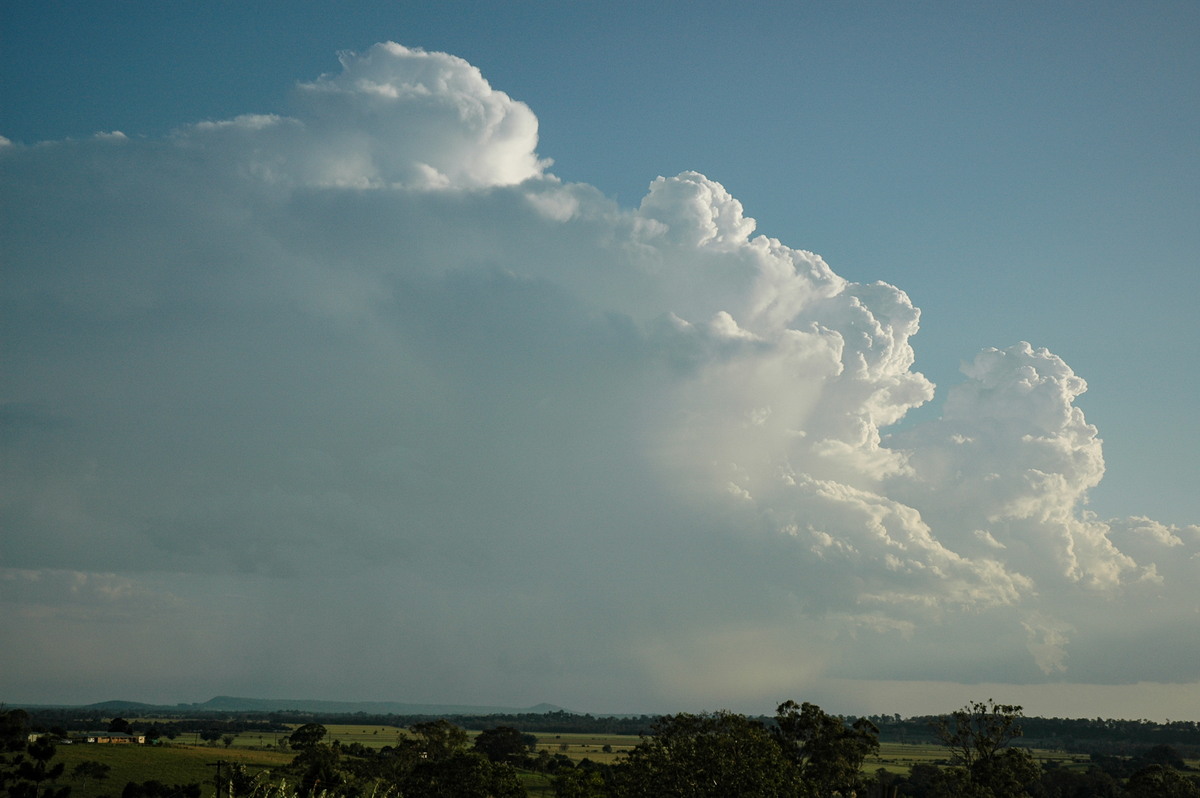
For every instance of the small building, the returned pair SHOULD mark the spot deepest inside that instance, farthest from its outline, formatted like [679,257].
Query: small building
[113,738]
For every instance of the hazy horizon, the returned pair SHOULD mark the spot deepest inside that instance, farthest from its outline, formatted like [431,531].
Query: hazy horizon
[1162,713]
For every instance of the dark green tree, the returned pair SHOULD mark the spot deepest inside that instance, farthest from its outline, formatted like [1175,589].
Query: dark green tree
[14,729]
[120,726]
[14,735]
[462,774]
[1061,782]
[579,783]
[392,764]
[1163,755]
[920,781]
[717,755]
[1013,773]
[319,768]
[1160,781]
[307,736]
[31,775]
[239,782]
[828,753]
[439,739]
[505,744]
[978,731]
[984,766]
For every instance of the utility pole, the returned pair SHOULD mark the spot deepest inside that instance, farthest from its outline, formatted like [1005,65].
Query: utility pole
[218,780]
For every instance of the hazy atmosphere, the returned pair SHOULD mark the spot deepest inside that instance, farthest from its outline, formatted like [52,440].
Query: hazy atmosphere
[626,360]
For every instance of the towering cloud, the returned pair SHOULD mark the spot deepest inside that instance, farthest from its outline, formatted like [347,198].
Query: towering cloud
[365,387]
[394,117]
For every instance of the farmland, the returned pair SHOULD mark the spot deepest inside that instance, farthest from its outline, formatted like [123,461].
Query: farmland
[187,760]
[169,764]
[537,754]
[183,762]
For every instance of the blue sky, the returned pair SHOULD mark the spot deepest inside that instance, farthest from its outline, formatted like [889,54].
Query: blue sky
[1022,172]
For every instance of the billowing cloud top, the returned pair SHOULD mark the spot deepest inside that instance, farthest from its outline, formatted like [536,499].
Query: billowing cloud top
[395,116]
[367,374]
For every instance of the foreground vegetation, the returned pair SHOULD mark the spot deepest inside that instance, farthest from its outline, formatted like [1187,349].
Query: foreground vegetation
[800,752]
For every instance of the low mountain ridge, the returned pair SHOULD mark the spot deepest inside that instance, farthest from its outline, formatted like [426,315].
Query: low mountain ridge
[224,703]
[235,704]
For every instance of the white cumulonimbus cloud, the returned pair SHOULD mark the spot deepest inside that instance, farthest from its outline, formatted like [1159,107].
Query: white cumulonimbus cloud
[367,377]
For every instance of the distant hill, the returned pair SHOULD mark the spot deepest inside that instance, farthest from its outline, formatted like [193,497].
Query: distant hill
[121,706]
[224,703]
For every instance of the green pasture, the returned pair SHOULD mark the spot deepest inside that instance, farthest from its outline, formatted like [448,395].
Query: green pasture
[369,736]
[188,759]
[245,740]
[586,746]
[536,784]
[182,762]
[900,757]
[373,736]
[169,764]
[575,746]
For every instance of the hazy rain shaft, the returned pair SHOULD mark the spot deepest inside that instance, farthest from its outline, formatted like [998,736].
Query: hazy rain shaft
[367,377]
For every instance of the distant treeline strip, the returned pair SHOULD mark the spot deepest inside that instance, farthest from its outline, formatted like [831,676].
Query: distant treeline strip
[1060,733]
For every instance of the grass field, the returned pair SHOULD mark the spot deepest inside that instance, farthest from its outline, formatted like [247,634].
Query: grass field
[188,759]
[174,764]
[900,757]
[586,746]
[370,736]
[182,762]
[536,784]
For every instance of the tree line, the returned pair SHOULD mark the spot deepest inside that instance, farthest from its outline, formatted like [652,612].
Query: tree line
[800,752]
[1079,735]
[557,722]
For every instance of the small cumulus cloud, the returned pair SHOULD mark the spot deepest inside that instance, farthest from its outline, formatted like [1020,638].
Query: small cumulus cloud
[370,367]
[1047,642]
